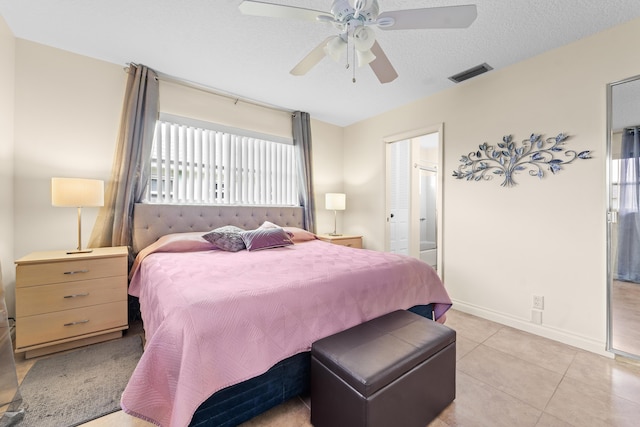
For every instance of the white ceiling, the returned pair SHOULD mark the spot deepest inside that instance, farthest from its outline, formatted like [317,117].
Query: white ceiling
[209,42]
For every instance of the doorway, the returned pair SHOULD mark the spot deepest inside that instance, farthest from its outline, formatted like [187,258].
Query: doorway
[414,195]
[623,232]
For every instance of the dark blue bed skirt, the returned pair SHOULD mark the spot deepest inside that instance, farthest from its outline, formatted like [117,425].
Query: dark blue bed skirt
[241,402]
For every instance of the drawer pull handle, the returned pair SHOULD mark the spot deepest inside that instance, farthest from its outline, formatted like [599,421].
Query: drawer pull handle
[77,295]
[79,322]
[76,271]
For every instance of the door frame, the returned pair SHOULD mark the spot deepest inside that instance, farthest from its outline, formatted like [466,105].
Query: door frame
[414,244]
[612,219]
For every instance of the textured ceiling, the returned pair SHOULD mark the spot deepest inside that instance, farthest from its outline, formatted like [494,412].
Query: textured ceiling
[209,42]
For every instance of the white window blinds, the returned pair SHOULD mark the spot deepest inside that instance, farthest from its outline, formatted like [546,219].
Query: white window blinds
[194,165]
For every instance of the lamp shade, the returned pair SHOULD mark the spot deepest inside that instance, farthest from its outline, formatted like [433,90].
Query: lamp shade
[77,192]
[335,201]
[364,57]
[364,38]
[335,47]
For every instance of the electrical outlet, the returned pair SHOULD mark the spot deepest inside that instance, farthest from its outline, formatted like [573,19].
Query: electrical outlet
[538,302]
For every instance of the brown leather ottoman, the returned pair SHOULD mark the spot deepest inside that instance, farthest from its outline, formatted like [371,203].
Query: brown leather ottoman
[396,370]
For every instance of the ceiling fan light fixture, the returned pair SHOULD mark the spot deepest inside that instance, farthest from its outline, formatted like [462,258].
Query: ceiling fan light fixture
[364,38]
[365,57]
[335,47]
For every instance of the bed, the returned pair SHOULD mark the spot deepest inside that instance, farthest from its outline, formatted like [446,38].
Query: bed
[228,333]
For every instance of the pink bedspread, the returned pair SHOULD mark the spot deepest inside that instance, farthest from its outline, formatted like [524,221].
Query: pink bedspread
[213,318]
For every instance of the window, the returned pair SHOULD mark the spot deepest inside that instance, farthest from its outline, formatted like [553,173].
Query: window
[193,162]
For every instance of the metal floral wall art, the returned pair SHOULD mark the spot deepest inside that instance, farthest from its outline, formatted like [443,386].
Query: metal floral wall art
[533,155]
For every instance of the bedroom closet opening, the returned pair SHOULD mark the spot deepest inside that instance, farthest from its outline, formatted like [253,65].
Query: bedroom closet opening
[623,231]
[414,196]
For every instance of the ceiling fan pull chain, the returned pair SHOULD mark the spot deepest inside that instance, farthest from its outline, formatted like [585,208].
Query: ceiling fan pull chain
[347,55]
[354,62]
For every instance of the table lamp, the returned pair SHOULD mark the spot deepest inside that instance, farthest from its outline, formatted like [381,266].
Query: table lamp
[79,193]
[336,202]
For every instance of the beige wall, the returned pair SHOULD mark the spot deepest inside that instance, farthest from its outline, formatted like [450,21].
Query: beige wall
[67,111]
[328,160]
[186,101]
[7,76]
[544,237]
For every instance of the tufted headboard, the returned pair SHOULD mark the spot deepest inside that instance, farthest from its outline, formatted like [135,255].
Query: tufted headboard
[151,221]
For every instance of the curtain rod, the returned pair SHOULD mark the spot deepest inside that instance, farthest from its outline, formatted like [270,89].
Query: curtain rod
[213,91]
[235,98]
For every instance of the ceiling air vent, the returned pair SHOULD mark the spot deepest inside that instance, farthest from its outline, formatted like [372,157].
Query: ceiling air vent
[471,72]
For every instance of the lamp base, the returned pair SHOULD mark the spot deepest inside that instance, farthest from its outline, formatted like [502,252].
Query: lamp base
[80,251]
[335,234]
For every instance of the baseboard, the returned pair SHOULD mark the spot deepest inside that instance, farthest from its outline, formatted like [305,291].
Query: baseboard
[545,331]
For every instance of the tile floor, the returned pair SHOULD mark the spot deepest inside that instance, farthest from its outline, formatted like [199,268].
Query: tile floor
[625,298]
[505,377]
[511,378]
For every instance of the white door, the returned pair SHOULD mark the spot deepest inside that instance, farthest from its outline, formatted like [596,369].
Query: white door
[399,196]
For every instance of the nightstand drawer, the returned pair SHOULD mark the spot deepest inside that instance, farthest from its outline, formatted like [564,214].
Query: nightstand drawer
[69,271]
[43,299]
[342,240]
[70,323]
[355,242]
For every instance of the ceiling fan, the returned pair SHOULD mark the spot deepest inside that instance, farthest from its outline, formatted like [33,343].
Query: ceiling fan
[354,20]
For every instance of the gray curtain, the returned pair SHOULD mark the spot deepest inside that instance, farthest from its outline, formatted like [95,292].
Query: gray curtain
[629,210]
[302,142]
[131,166]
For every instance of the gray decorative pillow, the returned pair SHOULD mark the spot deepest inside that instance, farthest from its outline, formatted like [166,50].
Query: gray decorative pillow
[227,238]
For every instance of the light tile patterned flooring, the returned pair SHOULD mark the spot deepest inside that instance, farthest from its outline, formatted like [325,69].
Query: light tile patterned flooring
[506,377]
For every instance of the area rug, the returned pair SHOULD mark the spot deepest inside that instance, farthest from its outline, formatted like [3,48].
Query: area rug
[76,387]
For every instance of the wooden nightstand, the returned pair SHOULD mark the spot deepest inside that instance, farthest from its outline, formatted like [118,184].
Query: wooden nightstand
[344,240]
[70,300]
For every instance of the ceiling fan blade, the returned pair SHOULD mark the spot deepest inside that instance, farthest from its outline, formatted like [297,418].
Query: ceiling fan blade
[431,17]
[312,59]
[381,66]
[258,8]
